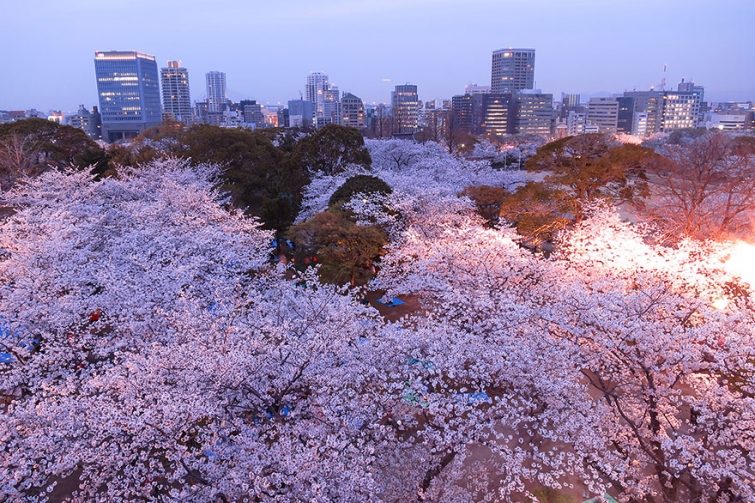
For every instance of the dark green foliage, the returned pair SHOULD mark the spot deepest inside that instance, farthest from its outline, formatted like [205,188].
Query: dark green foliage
[344,250]
[261,178]
[364,184]
[47,143]
[331,148]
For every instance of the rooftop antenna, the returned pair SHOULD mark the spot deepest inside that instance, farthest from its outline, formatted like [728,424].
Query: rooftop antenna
[663,80]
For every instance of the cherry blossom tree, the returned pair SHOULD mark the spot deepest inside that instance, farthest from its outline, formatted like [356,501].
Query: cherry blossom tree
[154,352]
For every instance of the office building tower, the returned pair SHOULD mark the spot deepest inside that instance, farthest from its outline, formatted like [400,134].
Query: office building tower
[512,70]
[317,84]
[176,96]
[129,93]
[640,123]
[461,110]
[301,113]
[603,113]
[649,103]
[666,110]
[570,101]
[496,112]
[352,110]
[625,119]
[201,112]
[331,107]
[690,87]
[216,98]
[699,91]
[680,110]
[283,118]
[405,107]
[533,113]
[251,111]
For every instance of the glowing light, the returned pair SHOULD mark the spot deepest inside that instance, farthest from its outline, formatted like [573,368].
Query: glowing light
[742,262]
[720,303]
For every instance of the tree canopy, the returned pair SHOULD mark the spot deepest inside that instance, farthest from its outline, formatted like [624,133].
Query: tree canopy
[345,250]
[594,166]
[151,351]
[30,146]
[330,149]
[538,211]
[364,184]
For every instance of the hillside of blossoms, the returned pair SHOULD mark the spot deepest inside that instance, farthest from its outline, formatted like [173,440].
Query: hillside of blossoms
[225,316]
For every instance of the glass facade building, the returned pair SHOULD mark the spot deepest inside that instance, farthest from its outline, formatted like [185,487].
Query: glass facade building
[512,70]
[128,87]
[405,104]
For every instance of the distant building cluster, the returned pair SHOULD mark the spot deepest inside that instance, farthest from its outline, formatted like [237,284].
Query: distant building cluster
[135,95]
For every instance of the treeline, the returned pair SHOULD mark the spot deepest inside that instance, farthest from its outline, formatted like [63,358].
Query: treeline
[699,185]
[264,172]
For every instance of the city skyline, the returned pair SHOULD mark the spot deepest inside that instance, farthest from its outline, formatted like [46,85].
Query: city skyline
[602,60]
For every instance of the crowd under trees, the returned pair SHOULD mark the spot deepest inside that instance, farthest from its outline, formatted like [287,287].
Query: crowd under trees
[185,319]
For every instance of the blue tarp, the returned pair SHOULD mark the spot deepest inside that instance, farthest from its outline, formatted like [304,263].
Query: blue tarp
[395,301]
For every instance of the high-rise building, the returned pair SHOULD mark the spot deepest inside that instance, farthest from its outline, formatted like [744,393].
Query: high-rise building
[251,112]
[699,91]
[649,103]
[461,108]
[496,113]
[569,103]
[680,110]
[625,121]
[665,110]
[129,93]
[352,111]
[603,113]
[512,70]
[201,112]
[570,100]
[176,96]
[690,87]
[283,117]
[216,99]
[533,113]
[331,107]
[640,124]
[405,105]
[317,84]
[301,113]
